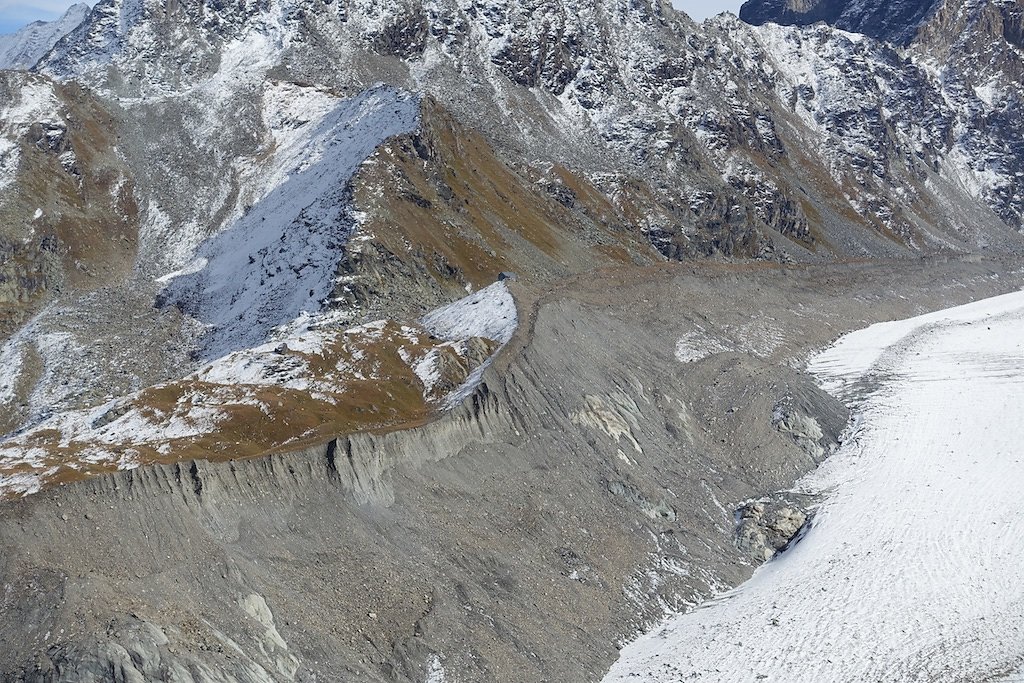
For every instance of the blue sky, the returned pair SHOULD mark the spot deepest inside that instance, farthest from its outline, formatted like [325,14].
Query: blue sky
[701,9]
[16,13]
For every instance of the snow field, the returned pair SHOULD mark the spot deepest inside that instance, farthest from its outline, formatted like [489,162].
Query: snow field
[278,259]
[489,313]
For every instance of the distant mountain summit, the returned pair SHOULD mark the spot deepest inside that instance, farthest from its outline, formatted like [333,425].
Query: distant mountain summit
[895,22]
[22,49]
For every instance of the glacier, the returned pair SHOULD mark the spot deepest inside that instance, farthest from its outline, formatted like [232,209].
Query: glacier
[910,568]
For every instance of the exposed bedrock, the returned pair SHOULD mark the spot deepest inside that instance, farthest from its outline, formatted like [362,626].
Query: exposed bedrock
[589,486]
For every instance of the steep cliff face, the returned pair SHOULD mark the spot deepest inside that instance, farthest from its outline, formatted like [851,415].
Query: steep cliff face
[968,58]
[895,22]
[977,50]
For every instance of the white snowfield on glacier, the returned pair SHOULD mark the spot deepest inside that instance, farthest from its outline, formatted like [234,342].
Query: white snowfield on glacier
[913,569]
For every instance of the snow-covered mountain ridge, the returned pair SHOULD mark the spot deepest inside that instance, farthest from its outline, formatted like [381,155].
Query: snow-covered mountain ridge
[606,88]
[24,48]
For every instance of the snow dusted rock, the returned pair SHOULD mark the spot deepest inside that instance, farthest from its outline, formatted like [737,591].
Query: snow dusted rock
[31,100]
[715,119]
[278,259]
[67,210]
[957,80]
[803,429]
[487,314]
[22,49]
[312,384]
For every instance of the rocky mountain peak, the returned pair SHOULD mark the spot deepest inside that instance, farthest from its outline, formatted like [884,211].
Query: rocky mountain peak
[895,21]
[22,49]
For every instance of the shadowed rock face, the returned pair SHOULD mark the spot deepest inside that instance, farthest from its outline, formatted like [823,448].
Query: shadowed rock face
[895,22]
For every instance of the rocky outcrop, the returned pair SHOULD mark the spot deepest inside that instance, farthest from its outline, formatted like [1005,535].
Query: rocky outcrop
[441,210]
[67,211]
[796,422]
[973,96]
[768,527]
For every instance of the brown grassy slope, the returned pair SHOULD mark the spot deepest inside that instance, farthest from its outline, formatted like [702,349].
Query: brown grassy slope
[442,210]
[359,382]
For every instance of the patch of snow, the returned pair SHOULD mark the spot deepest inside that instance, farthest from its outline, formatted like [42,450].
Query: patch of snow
[489,313]
[12,355]
[10,158]
[35,102]
[21,484]
[259,366]
[435,674]
[859,353]
[135,428]
[697,345]
[989,93]
[55,348]
[191,269]
[428,371]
